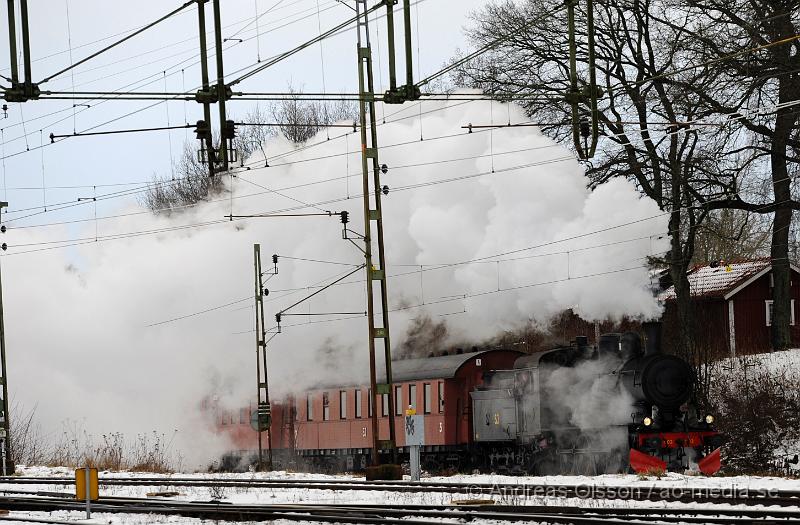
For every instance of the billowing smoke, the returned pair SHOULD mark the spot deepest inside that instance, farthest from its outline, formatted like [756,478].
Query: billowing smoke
[475,235]
[590,397]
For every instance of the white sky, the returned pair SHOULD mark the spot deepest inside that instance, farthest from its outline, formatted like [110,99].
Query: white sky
[170,49]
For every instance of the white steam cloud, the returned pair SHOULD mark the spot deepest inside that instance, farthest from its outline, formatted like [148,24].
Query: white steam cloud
[78,342]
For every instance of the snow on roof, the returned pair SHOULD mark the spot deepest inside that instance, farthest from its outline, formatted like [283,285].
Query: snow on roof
[720,279]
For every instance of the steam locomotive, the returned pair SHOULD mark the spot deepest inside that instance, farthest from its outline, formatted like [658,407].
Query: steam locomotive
[573,409]
[584,409]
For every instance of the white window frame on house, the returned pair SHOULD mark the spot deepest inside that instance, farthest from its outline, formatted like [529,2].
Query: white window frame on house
[767,304]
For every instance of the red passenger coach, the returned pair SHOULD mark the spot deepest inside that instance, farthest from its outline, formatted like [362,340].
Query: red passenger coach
[332,427]
[336,421]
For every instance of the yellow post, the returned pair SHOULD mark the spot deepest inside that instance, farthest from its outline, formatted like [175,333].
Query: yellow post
[81,484]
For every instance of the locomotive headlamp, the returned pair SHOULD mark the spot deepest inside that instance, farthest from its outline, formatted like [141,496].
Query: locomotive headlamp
[647,421]
[709,419]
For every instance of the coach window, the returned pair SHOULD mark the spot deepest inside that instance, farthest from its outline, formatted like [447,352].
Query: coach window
[310,407]
[343,404]
[296,409]
[398,400]
[358,403]
[370,401]
[384,405]
[426,397]
[243,416]
[326,407]
[441,396]
[412,396]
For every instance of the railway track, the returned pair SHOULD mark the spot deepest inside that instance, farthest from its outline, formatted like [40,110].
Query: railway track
[505,491]
[396,514]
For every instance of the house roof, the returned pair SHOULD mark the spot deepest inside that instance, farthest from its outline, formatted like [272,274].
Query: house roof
[723,280]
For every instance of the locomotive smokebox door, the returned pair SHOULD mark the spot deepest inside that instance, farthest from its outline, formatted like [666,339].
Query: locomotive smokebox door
[495,415]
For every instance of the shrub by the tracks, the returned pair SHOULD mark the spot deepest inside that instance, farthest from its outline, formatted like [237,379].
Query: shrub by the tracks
[75,447]
[29,446]
[758,403]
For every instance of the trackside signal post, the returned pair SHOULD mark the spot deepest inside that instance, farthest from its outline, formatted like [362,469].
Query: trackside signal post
[5,427]
[415,439]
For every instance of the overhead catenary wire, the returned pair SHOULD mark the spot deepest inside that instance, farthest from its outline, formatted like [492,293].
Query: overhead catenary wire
[191,205]
[743,51]
[317,205]
[80,46]
[169,131]
[43,184]
[442,108]
[465,296]
[147,183]
[335,178]
[299,48]
[117,96]
[115,44]
[194,314]
[72,71]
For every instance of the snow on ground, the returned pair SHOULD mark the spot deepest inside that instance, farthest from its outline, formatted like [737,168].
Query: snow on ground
[262,495]
[784,361]
[670,479]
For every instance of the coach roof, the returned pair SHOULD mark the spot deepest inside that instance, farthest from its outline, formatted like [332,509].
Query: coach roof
[437,367]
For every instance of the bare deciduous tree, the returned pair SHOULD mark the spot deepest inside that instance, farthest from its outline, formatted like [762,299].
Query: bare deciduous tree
[193,185]
[751,49]
[643,116]
[305,118]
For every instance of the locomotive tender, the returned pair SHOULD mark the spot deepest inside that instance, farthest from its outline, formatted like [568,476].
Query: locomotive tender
[575,409]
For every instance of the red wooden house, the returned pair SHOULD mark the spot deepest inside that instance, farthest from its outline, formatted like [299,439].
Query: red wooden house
[732,306]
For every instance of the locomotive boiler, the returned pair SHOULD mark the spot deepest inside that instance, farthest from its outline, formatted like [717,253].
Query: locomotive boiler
[591,409]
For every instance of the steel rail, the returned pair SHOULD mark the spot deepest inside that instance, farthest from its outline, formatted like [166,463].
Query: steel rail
[475,508]
[584,491]
[401,513]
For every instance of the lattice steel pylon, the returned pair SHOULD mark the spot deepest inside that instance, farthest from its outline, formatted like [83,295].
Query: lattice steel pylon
[263,416]
[373,221]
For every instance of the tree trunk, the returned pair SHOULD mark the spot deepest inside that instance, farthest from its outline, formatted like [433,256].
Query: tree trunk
[788,91]
[781,271]
[678,268]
